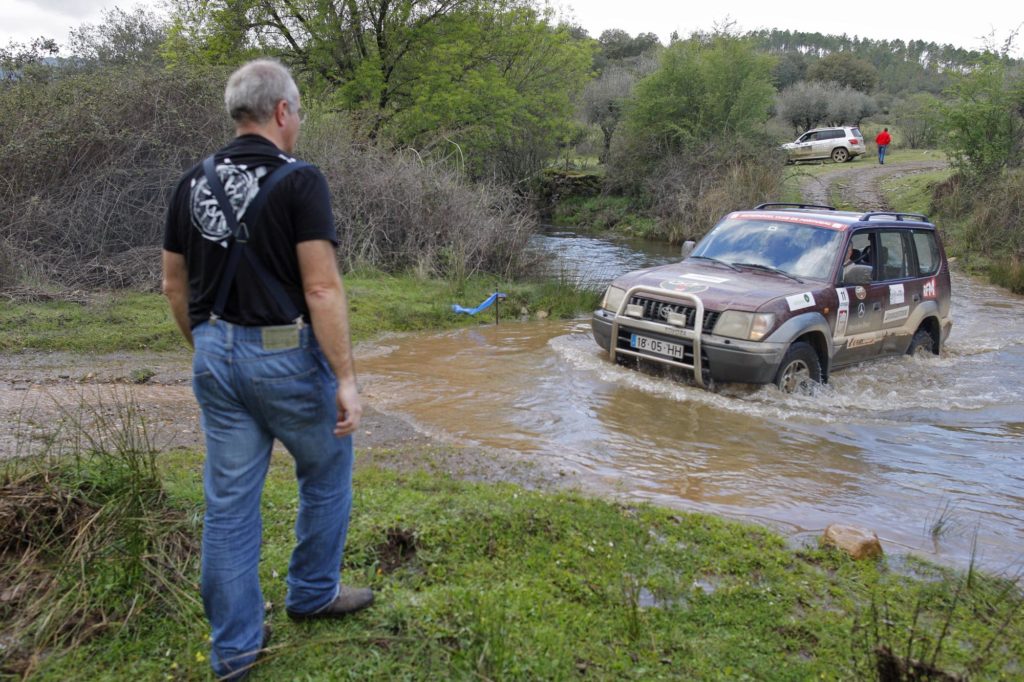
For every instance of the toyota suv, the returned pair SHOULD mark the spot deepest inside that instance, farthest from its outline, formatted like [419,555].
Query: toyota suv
[839,144]
[784,294]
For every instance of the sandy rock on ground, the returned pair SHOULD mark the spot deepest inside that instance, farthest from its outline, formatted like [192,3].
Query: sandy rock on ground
[859,543]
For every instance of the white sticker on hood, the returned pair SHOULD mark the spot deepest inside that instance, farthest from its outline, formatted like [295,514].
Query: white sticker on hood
[705,278]
[800,301]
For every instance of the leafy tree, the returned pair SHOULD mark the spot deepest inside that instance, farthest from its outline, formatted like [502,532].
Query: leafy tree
[848,106]
[617,44]
[803,105]
[466,75]
[846,69]
[606,98]
[919,120]
[704,88]
[808,104]
[790,68]
[16,58]
[122,38]
[984,120]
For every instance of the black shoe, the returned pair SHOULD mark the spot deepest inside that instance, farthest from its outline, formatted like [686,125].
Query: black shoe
[244,672]
[349,600]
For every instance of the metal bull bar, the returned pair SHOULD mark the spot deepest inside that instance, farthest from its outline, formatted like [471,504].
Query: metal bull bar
[693,335]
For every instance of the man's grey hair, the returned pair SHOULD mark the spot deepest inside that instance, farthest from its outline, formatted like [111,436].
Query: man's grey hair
[255,89]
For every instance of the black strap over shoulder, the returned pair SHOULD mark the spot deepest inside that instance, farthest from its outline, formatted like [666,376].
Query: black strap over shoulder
[240,232]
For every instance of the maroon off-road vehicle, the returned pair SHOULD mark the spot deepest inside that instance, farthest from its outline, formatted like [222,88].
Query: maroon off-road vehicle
[784,294]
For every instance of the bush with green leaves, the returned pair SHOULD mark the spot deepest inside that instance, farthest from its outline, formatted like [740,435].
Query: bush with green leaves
[707,87]
[983,120]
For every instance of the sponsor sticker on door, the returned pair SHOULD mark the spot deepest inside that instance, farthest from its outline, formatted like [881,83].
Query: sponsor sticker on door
[843,314]
[895,294]
[896,314]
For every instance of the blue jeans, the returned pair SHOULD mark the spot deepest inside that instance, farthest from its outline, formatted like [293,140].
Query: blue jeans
[881,152]
[253,387]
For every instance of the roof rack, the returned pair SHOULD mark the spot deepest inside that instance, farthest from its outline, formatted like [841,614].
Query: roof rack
[786,205]
[892,214]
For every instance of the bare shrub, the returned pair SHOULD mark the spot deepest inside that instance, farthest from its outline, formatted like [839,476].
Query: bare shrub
[8,269]
[688,192]
[88,161]
[398,211]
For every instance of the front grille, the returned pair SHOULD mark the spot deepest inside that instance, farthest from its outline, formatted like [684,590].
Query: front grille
[657,311]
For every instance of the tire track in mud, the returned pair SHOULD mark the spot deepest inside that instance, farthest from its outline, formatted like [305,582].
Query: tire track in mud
[858,184]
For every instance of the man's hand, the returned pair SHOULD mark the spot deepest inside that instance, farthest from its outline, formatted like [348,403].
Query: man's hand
[350,410]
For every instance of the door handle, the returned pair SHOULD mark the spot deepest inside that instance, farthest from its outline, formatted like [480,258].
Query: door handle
[916,298]
[877,306]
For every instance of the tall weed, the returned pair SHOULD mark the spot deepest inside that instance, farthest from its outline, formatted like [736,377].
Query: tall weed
[88,540]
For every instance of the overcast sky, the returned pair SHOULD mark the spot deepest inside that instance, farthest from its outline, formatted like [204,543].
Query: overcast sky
[963,25]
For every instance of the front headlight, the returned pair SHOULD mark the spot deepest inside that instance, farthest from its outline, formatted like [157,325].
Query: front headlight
[613,298]
[748,326]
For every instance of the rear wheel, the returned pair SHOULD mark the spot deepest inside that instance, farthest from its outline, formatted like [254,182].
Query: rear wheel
[800,369]
[840,155]
[922,345]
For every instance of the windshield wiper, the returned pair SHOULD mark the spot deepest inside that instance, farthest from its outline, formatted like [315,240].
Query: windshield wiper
[768,268]
[720,262]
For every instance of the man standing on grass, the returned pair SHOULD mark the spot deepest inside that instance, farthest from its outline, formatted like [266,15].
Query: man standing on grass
[256,290]
[883,139]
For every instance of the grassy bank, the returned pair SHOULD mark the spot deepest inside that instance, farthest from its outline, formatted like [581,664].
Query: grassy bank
[497,582]
[604,214]
[111,322]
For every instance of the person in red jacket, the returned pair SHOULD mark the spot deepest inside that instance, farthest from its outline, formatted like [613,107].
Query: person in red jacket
[882,140]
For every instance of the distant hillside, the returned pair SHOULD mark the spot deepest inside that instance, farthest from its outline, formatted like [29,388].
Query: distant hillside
[903,66]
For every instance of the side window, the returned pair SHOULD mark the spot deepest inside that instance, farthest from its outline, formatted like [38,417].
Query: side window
[835,134]
[806,137]
[892,257]
[927,253]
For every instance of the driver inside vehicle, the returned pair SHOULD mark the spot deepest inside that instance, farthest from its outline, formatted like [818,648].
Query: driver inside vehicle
[857,266]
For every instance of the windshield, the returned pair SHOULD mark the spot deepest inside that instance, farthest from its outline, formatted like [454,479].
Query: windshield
[802,250]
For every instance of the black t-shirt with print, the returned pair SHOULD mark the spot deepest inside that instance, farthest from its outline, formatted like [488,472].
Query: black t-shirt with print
[297,210]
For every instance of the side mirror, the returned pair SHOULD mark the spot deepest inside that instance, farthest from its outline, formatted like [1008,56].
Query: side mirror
[688,247]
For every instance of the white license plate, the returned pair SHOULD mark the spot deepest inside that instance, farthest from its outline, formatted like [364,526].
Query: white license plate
[646,343]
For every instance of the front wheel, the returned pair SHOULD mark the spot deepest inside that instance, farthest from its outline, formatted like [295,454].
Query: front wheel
[840,155]
[800,369]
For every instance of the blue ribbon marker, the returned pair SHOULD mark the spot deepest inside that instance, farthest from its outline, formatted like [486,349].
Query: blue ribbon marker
[491,300]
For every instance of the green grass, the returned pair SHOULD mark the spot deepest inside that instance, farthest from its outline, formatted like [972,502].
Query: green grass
[913,193]
[378,303]
[496,582]
[109,322]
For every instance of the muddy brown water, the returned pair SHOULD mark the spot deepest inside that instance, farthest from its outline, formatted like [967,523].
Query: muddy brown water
[929,453]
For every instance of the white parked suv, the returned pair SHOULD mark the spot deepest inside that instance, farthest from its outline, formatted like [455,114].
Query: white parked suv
[839,144]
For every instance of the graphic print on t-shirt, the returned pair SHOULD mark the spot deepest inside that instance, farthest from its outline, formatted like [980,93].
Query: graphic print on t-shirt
[241,185]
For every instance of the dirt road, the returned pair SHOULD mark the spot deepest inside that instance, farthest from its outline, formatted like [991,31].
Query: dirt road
[857,183]
[58,402]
